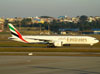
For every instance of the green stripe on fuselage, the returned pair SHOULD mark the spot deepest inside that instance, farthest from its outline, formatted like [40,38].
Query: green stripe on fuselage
[11,28]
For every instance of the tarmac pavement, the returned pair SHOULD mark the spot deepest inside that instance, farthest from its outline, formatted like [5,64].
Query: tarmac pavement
[49,65]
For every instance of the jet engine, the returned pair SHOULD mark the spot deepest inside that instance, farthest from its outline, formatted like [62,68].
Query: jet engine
[58,43]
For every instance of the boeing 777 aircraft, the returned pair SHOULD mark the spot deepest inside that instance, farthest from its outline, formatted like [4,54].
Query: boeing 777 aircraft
[56,41]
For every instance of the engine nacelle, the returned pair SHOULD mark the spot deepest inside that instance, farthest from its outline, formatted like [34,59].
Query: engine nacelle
[58,43]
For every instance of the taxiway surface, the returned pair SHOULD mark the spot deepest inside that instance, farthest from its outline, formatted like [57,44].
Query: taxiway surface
[49,65]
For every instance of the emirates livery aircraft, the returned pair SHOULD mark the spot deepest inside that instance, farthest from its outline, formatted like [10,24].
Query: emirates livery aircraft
[56,41]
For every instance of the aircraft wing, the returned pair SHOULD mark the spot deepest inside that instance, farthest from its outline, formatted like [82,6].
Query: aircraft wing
[55,42]
[45,40]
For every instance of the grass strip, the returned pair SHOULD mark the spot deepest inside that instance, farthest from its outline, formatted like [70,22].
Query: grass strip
[48,50]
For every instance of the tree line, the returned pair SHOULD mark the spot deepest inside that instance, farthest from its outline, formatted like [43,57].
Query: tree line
[55,25]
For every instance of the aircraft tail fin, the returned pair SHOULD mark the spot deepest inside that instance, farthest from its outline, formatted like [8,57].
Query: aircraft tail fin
[15,33]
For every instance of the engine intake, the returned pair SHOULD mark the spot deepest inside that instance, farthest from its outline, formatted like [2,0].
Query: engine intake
[58,43]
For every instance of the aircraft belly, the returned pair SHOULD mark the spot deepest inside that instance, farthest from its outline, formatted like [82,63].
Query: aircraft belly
[75,42]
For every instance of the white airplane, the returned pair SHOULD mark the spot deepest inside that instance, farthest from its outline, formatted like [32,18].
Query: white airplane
[56,41]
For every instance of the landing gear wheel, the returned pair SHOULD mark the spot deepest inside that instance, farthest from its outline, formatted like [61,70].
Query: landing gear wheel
[50,46]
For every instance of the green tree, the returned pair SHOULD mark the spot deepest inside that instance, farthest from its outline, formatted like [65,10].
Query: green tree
[83,18]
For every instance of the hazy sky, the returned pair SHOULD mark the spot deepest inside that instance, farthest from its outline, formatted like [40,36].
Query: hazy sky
[25,8]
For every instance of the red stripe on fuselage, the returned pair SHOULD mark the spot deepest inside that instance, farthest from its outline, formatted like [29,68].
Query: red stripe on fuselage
[21,37]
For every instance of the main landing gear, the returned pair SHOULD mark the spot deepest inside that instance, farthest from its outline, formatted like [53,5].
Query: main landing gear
[50,46]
